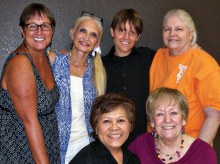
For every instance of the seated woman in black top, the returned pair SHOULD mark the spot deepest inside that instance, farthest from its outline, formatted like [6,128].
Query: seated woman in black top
[112,119]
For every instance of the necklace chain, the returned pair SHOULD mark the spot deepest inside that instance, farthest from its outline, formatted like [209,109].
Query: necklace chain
[77,71]
[169,156]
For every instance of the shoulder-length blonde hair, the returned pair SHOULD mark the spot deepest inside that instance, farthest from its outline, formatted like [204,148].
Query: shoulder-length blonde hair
[168,96]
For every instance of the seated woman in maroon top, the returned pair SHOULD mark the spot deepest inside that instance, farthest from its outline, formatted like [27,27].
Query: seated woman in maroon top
[167,110]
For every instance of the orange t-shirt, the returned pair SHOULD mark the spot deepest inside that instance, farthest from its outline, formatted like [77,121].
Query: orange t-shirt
[196,74]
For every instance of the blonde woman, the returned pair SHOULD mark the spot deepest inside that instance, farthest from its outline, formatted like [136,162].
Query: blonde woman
[167,110]
[80,77]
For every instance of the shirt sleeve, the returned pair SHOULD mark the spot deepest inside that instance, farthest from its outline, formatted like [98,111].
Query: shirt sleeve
[207,83]
[209,155]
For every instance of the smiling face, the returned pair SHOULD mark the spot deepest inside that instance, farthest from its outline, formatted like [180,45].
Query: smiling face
[85,36]
[176,35]
[168,121]
[124,39]
[113,128]
[37,40]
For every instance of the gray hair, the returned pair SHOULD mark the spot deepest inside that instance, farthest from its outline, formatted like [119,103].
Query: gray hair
[186,18]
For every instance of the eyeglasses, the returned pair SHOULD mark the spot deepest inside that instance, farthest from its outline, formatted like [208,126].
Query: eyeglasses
[84,13]
[34,26]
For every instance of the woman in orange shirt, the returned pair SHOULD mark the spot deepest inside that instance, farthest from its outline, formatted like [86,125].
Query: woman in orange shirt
[193,72]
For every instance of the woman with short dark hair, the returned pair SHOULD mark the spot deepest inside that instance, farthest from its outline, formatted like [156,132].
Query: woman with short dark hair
[112,119]
[28,94]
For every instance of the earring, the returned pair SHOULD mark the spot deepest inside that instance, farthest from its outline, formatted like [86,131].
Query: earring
[183,130]
[24,43]
[190,44]
[131,129]
[48,49]
[153,131]
[164,48]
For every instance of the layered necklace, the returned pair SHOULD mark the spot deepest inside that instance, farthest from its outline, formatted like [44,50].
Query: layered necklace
[168,156]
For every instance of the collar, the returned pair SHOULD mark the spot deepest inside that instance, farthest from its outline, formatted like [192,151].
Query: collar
[111,55]
[101,151]
[100,148]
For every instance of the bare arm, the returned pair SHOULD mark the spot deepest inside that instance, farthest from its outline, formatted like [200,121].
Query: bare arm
[210,125]
[21,85]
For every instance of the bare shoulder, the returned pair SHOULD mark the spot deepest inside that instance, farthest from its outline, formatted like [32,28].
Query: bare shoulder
[19,73]
[188,140]
[19,80]
[19,63]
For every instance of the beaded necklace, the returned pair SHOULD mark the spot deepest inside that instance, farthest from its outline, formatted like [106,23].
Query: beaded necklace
[169,156]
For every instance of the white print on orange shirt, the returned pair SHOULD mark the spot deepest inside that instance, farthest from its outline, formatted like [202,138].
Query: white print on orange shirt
[181,73]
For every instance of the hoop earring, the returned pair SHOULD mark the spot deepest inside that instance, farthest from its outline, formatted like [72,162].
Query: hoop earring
[190,44]
[131,129]
[48,49]
[24,43]
[164,49]
[71,46]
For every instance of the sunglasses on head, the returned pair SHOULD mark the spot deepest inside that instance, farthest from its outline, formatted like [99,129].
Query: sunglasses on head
[84,13]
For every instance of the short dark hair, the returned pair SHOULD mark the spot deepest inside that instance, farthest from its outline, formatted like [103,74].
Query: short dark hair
[33,9]
[108,103]
[130,15]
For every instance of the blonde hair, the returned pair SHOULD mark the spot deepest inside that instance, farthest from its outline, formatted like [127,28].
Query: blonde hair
[169,96]
[99,74]
[81,19]
[186,18]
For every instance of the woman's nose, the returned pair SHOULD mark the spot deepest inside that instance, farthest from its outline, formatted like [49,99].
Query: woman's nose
[39,30]
[114,126]
[86,36]
[167,118]
[172,33]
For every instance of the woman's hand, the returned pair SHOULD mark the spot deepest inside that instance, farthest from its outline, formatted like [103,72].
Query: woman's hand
[64,52]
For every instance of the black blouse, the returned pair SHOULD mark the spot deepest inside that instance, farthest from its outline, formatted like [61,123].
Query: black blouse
[97,153]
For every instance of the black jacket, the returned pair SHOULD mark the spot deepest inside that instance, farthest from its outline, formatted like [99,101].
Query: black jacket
[97,153]
[130,75]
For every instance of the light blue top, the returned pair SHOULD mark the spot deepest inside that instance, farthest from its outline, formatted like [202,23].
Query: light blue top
[61,71]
